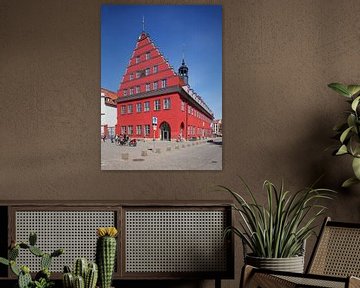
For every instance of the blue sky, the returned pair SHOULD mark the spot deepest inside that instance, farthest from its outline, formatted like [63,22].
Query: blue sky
[195,30]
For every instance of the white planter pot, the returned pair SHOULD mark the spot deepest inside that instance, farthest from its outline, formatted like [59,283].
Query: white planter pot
[291,264]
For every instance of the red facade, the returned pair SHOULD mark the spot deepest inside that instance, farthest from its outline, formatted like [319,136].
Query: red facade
[151,90]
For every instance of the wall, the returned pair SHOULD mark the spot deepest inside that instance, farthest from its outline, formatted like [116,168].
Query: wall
[278,113]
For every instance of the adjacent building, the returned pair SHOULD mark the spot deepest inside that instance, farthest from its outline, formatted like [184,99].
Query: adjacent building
[108,112]
[154,101]
[217,127]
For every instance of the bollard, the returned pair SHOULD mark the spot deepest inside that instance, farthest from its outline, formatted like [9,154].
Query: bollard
[183,146]
[177,147]
[168,148]
[158,150]
[125,156]
[144,153]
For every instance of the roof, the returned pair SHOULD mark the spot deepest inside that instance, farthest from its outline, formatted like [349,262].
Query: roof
[109,97]
[107,93]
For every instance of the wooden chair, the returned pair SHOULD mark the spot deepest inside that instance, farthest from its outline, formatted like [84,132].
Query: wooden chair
[335,262]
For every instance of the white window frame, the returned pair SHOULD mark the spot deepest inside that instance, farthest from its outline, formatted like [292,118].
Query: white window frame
[166,104]
[147,130]
[138,107]
[130,130]
[163,83]
[123,109]
[157,105]
[147,107]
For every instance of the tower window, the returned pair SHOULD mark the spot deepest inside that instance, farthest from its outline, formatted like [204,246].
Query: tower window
[131,91]
[138,73]
[131,76]
[155,85]
[155,69]
[123,109]
[147,55]
[137,89]
[125,92]
[147,71]
[147,87]
[138,107]
[130,108]
[138,129]
[137,59]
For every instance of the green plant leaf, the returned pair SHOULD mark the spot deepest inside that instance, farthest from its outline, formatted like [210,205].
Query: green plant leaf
[349,182]
[353,89]
[4,261]
[356,167]
[351,120]
[355,103]
[340,88]
[342,150]
[345,134]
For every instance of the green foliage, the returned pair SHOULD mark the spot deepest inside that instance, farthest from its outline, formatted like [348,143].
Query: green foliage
[279,229]
[348,132]
[42,278]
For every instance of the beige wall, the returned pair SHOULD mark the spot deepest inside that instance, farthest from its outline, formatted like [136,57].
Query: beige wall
[278,113]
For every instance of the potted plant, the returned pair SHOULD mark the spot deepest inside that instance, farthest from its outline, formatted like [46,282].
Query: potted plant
[276,233]
[348,132]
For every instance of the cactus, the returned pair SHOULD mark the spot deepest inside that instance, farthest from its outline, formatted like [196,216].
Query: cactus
[42,278]
[36,251]
[80,268]
[68,280]
[88,273]
[13,253]
[32,238]
[45,261]
[24,280]
[105,254]
[91,276]
[79,282]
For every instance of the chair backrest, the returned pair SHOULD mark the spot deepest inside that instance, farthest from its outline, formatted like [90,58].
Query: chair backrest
[337,251]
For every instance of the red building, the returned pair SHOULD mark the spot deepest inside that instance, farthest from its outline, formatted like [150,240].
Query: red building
[156,102]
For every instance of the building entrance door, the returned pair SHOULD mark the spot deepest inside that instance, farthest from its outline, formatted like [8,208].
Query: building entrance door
[165,131]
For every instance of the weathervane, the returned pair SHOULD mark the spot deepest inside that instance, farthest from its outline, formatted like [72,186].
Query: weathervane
[143,23]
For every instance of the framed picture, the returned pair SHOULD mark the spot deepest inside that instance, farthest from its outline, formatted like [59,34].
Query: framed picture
[161,87]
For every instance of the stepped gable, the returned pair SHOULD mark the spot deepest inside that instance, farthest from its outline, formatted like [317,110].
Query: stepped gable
[141,71]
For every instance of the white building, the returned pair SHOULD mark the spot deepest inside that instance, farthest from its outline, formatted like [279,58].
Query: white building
[217,127]
[108,112]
